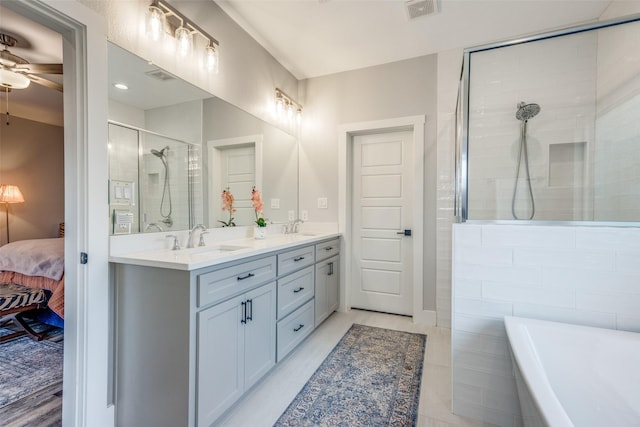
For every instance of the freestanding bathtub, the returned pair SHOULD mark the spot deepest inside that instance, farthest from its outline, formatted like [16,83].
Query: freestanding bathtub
[569,375]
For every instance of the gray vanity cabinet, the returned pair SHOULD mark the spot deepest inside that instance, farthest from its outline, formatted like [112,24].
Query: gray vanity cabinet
[327,279]
[236,347]
[190,343]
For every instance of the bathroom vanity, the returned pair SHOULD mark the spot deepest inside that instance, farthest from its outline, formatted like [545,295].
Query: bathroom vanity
[196,328]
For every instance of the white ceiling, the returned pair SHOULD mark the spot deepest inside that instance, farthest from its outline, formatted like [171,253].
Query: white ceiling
[317,37]
[36,44]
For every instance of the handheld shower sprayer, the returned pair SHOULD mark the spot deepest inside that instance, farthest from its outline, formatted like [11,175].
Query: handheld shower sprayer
[524,113]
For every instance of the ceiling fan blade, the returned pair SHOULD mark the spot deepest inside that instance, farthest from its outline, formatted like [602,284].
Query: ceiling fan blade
[45,82]
[40,68]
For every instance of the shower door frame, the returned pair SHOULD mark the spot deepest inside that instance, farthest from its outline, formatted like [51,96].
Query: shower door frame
[461,200]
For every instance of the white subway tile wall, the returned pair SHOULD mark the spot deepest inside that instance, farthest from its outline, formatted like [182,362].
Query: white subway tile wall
[566,274]
[560,76]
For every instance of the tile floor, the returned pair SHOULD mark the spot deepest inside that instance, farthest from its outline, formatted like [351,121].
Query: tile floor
[268,399]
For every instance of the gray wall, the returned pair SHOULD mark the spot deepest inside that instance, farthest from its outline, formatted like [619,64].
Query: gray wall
[399,89]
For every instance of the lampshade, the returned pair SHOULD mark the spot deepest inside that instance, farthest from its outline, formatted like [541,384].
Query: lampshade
[10,194]
[13,80]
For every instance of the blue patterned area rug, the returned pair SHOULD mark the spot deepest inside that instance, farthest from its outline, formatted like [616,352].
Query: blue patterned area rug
[371,378]
[27,366]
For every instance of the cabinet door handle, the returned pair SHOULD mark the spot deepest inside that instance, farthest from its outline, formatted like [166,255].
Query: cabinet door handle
[328,248]
[298,328]
[250,305]
[300,258]
[295,291]
[245,277]
[244,312]
[330,269]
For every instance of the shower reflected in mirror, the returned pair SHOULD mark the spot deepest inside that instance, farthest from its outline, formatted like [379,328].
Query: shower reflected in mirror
[166,206]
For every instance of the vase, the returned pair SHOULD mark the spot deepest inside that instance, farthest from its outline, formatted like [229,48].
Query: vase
[259,232]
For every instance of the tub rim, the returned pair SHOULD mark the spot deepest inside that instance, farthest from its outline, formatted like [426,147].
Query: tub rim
[524,352]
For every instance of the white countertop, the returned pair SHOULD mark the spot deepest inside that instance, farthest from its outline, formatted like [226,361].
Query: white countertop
[218,252]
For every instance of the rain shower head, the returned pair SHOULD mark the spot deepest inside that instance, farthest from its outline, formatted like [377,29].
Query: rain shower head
[527,111]
[160,153]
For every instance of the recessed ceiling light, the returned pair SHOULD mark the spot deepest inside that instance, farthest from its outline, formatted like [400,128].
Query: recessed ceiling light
[121,86]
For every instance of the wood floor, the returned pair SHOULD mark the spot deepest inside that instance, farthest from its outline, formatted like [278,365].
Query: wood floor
[41,409]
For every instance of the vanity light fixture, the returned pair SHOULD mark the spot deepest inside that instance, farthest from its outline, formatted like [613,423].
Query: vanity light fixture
[286,109]
[163,20]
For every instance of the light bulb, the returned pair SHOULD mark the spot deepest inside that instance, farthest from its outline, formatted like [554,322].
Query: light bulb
[290,112]
[155,23]
[211,59]
[184,40]
[279,106]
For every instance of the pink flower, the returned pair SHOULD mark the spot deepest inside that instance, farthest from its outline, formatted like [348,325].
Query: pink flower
[258,206]
[227,201]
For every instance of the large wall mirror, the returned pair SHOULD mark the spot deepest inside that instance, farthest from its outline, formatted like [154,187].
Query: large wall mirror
[174,148]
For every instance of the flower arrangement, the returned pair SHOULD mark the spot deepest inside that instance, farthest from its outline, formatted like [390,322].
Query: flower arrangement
[227,205]
[258,206]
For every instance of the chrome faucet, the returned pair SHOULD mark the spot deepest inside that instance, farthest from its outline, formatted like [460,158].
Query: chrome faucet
[295,225]
[192,233]
[292,227]
[153,225]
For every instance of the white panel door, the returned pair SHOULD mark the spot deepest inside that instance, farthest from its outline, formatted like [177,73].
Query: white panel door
[238,172]
[382,185]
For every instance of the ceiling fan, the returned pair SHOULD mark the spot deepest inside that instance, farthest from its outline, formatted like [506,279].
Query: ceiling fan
[17,72]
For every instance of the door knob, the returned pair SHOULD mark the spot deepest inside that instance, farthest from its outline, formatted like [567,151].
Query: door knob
[405,232]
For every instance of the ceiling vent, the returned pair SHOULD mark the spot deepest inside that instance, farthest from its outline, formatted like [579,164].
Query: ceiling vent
[418,8]
[161,75]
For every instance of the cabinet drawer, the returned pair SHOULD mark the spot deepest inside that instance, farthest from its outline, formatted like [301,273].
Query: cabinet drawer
[295,259]
[295,289]
[226,282]
[294,328]
[328,249]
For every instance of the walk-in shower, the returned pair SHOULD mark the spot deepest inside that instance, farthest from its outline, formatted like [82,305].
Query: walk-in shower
[577,161]
[166,205]
[524,113]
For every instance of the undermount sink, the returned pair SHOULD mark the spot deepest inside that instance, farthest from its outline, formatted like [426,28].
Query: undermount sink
[214,249]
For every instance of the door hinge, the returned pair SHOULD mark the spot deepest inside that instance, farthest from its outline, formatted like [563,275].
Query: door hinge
[84,258]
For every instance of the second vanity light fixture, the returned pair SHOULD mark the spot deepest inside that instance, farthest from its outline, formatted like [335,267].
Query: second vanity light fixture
[164,20]
[286,109]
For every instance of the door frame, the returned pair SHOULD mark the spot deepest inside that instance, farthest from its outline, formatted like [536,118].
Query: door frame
[346,132]
[86,382]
